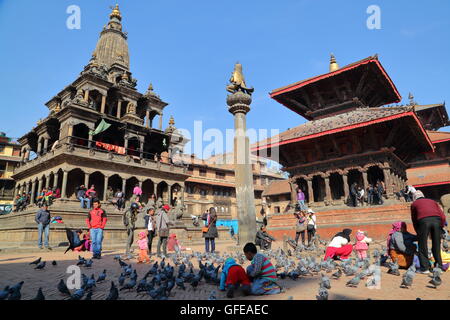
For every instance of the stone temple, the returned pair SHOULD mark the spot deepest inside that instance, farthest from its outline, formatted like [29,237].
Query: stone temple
[99,131]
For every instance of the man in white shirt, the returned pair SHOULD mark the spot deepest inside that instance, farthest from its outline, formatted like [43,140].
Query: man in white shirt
[150,225]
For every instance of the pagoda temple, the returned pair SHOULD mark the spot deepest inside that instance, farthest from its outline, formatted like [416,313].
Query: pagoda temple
[351,136]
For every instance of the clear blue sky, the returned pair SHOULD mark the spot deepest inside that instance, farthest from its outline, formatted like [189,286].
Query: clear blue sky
[187,49]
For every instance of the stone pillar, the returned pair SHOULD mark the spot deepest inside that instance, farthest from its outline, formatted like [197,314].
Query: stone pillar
[327,188]
[141,148]
[293,185]
[47,181]
[45,146]
[126,144]
[91,137]
[102,108]
[86,180]
[310,191]
[169,194]
[365,181]
[119,108]
[346,188]
[124,183]
[86,95]
[239,105]
[182,196]
[105,188]
[33,192]
[147,116]
[40,185]
[160,121]
[39,148]
[388,182]
[55,179]
[64,184]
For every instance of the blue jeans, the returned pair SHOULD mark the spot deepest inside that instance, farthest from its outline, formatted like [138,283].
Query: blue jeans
[213,244]
[302,205]
[45,230]
[83,202]
[97,238]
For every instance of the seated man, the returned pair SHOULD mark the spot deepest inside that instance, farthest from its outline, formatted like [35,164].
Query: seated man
[401,245]
[263,239]
[261,272]
[73,236]
[233,276]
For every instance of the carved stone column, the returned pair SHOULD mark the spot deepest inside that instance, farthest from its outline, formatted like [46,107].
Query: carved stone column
[346,188]
[147,117]
[86,95]
[119,108]
[102,108]
[365,181]
[86,179]
[327,188]
[169,194]
[388,182]
[33,192]
[124,183]
[141,147]
[105,188]
[310,190]
[293,186]
[55,179]
[47,181]
[64,184]
[160,121]
[40,185]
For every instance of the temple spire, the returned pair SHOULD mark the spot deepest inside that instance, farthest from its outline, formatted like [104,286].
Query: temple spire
[333,64]
[116,13]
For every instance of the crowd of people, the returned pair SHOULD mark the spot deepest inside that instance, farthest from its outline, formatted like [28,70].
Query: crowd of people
[46,196]
[405,248]
[372,195]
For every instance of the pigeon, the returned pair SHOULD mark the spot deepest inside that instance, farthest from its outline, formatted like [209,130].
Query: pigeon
[89,295]
[102,276]
[113,292]
[54,263]
[4,293]
[89,263]
[436,280]
[325,282]
[323,294]
[90,283]
[337,274]
[77,295]
[129,285]
[39,295]
[122,264]
[63,288]
[121,279]
[15,294]
[170,285]
[393,268]
[40,266]
[180,283]
[142,285]
[36,261]
[353,282]
[81,261]
[408,278]
[212,295]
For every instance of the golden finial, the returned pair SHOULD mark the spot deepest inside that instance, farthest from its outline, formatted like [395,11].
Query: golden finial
[171,121]
[333,64]
[150,87]
[116,13]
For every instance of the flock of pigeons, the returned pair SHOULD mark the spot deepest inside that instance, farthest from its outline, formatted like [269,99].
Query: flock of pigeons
[176,272]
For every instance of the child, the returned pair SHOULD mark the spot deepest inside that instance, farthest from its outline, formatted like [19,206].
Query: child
[261,272]
[173,244]
[361,245]
[233,275]
[143,248]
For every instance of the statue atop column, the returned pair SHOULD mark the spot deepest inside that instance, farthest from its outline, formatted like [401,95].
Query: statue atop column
[239,105]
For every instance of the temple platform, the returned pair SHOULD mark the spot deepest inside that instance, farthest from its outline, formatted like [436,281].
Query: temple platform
[375,220]
[19,229]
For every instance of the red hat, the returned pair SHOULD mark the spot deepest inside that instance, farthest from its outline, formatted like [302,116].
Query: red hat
[166,207]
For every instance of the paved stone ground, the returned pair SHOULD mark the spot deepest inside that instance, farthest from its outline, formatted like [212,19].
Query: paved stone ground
[15,267]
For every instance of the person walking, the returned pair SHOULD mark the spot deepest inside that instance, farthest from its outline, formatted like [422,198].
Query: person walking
[301,200]
[150,225]
[311,225]
[42,218]
[210,229]
[428,219]
[96,222]
[162,227]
